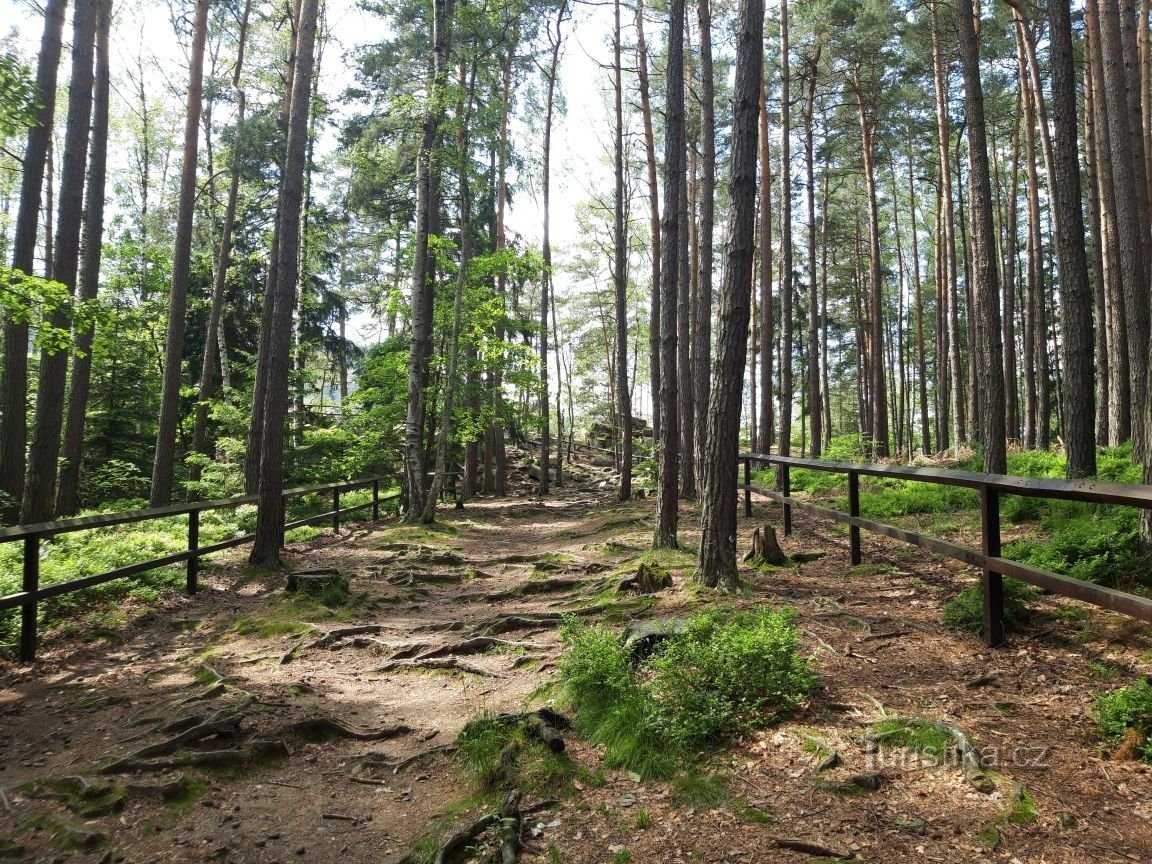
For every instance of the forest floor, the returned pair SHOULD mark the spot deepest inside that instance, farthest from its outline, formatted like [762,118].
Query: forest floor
[252,674]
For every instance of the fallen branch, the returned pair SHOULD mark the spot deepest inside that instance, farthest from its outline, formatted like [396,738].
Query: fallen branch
[455,847]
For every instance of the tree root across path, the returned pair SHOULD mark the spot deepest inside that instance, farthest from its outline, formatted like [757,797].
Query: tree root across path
[450,663]
[328,727]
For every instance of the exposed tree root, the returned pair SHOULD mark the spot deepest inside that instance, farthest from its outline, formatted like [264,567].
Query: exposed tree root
[327,727]
[223,723]
[797,844]
[255,750]
[855,785]
[539,586]
[339,633]
[439,663]
[475,645]
[510,828]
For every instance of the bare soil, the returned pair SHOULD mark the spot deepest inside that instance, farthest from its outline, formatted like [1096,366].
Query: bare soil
[243,662]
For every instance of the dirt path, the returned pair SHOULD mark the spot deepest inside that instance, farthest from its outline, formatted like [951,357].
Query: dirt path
[244,662]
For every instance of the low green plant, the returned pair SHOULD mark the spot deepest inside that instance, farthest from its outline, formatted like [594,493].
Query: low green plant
[723,674]
[931,740]
[966,610]
[643,819]
[1123,709]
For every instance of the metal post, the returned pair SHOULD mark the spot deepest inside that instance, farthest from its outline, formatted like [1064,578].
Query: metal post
[747,491]
[376,500]
[854,556]
[28,610]
[336,510]
[786,491]
[993,581]
[193,545]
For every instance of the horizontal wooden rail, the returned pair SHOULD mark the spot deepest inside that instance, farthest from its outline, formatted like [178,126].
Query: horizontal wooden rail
[28,599]
[988,557]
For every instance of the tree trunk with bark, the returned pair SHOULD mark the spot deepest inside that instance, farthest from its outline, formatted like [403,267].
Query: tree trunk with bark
[68,495]
[165,455]
[1076,302]
[423,283]
[40,482]
[988,354]
[14,372]
[786,323]
[718,566]
[653,219]
[667,512]
[620,278]
[270,517]
[702,313]
[767,336]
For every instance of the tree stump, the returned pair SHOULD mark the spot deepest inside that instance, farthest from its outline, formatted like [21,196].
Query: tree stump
[648,579]
[766,549]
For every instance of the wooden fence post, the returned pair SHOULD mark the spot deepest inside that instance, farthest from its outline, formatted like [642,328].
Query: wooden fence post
[193,543]
[28,610]
[376,500]
[336,510]
[747,491]
[854,556]
[786,491]
[993,582]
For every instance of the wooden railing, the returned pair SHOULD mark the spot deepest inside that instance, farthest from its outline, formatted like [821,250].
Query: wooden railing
[31,593]
[987,557]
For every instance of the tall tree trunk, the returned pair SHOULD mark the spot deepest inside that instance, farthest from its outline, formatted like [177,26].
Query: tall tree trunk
[988,354]
[14,371]
[722,441]
[546,251]
[686,394]
[620,278]
[814,404]
[40,482]
[1011,387]
[496,460]
[467,85]
[653,220]
[878,388]
[1130,234]
[918,289]
[162,466]
[667,513]
[68,495]
[702,314]
[951,330]
[786,323]
[270,517]
[767,337]
[1099,280]
[1076,302]
[423,283]
[206,384]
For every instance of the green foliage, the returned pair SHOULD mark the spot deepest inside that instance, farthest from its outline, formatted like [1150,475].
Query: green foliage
[723,675]
[27,299]
[118,482]
[1123,709]
[17,96]
[1094,542]
[924,737]
[966,610]
[498,752]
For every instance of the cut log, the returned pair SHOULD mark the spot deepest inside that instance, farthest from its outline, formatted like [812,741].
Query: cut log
[641,638]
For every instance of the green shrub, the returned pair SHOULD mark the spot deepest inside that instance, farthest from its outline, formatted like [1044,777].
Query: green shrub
[720,676]
[888,497]
[1096,543]
[1127,708]
[727,675]
[966,610]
